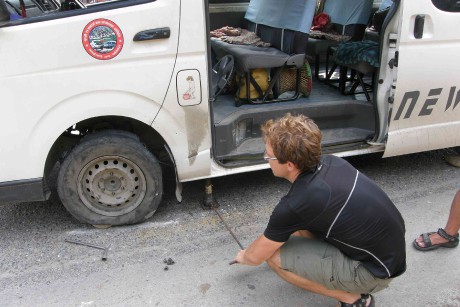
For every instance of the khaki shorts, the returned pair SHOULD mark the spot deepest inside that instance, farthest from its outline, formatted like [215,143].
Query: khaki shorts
[323,263]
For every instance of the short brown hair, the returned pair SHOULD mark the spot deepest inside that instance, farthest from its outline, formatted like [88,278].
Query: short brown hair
[294,138]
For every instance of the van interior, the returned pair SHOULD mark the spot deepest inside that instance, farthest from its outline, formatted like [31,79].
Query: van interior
[338,97]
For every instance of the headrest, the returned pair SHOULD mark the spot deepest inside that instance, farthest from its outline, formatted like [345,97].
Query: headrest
[347,12]
[296,15]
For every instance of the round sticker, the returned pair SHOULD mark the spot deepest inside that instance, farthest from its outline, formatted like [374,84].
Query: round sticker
[102,39]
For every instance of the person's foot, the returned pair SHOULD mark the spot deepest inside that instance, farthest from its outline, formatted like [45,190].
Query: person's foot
[366,300]
[453,160]
[435,239]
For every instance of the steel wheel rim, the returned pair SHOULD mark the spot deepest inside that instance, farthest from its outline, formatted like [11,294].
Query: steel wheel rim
[111,185]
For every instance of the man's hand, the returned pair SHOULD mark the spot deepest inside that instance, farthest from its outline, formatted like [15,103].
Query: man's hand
[259,251]
[239,257]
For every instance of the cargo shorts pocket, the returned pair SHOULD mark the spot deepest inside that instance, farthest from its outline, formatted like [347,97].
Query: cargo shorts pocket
[328,279]
[339,273]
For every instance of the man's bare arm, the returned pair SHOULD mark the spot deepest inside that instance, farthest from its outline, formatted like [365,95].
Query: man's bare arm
[259,251]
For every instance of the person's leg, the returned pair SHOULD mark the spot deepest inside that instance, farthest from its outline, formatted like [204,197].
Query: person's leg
[275,263]
[320,267]
[304,234]
[452,225]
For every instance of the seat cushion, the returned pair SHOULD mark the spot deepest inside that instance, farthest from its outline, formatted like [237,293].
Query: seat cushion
[362,67]
[316,46]
[250,57]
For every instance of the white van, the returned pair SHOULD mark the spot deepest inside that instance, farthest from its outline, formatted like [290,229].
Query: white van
[113,121]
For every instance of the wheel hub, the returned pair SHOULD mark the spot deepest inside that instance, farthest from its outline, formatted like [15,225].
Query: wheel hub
[111,185]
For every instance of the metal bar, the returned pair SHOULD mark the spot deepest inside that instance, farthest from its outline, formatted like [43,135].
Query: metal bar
[84,244]
[105,249]
[229,230]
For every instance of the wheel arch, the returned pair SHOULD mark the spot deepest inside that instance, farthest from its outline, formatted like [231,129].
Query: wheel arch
[71,136]
[51,134]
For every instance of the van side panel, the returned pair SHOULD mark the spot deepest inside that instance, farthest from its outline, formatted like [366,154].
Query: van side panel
[49,80]
[185,124]
[426,110]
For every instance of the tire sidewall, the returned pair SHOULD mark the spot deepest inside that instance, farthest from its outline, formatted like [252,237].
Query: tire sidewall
[110,143]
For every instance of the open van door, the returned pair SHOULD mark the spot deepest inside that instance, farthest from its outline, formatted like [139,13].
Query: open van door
[426,110]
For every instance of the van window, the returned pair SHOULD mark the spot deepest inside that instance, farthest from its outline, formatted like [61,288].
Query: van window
[29,11]
[32,8]
[447,5]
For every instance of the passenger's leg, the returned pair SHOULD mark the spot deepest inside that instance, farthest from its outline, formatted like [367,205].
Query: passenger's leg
[452,226]
[453,223]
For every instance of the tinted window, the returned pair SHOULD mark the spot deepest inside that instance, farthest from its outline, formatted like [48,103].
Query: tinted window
[32,8]
[447,5]
[29,11]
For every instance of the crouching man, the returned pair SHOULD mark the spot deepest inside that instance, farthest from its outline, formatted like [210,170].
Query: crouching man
[335,233]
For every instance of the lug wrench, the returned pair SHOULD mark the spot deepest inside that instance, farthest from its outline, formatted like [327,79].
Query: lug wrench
[105,249]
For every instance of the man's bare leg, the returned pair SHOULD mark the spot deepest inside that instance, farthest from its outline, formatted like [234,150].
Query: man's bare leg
[452,226]
[275,263]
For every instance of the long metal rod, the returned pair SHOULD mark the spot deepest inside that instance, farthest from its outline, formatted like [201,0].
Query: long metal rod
[229,230]
[84,244]
[105,249]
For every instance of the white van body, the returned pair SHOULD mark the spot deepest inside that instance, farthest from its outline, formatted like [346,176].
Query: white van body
[60,87]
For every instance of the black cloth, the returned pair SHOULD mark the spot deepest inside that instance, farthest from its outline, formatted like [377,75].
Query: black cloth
[339,204]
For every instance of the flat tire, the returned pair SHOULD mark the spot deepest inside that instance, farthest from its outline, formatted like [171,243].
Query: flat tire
[110,178]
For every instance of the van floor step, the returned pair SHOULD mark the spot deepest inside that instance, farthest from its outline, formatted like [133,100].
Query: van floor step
[331,137]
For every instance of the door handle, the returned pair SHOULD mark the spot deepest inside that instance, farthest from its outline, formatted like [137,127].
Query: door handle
[418,26]
[152,34]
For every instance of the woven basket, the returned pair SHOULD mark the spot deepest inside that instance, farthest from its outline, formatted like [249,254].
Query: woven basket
[288,80]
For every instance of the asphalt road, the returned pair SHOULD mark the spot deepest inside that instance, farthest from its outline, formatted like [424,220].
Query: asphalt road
[38,268]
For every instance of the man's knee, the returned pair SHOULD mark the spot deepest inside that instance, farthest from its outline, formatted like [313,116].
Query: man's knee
[275,260]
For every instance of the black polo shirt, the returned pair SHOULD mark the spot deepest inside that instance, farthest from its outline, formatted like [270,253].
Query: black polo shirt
[348,210]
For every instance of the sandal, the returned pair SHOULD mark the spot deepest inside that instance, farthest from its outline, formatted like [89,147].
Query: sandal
[360,302]
[452,241]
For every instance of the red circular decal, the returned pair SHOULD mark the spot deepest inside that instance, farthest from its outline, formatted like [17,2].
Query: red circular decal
[102,39]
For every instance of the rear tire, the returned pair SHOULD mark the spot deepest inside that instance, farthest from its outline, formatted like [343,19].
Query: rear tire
[110,178]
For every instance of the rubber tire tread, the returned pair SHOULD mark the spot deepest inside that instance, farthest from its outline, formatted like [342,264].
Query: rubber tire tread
[113,143]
